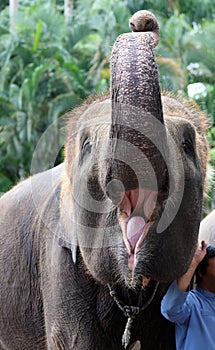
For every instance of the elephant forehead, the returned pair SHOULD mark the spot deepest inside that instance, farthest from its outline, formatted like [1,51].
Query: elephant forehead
[97,111]
[95,132]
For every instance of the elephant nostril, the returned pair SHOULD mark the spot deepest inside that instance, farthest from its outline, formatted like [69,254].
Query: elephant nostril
[132,26]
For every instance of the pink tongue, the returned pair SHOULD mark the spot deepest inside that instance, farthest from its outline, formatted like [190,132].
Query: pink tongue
[135,228]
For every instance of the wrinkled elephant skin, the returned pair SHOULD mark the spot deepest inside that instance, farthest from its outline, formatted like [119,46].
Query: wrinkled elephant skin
[120,215]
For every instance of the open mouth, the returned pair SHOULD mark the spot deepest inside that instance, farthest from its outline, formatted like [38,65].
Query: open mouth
[136,209]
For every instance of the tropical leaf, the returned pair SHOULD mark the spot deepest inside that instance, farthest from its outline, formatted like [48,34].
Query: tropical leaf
[62,104]
[39,28]
[202,48]
[171,74]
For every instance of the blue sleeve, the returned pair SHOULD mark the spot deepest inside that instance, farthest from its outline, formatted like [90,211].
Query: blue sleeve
[175,305]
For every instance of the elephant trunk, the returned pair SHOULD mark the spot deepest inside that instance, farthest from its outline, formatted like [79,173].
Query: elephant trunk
[134,74]
[137,128]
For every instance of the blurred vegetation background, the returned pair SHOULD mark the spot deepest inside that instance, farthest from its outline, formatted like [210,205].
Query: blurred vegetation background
[55,53]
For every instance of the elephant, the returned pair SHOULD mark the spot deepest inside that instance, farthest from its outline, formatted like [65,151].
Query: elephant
[207,228]
[89,247]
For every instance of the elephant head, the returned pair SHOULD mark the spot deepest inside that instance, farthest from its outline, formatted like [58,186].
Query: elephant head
[134,177]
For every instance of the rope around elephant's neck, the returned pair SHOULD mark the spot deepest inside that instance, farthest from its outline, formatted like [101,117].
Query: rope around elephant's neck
[130,312]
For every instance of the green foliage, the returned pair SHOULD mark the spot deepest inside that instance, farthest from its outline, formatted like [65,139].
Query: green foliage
[3,4]
[47,67]
[197,10]
[41,77]
[172,53]
[211,139]
[201,54]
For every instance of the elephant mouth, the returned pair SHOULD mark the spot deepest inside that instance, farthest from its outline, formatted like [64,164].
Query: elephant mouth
[136,217]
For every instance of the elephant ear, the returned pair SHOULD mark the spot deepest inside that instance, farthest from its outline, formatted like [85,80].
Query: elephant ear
[134,73]
[67,237]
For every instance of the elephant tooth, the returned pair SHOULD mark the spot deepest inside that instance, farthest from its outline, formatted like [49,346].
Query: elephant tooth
[74,252]
[135,346]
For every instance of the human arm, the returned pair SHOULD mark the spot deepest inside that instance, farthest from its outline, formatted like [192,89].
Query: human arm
[177,303]
[184,281]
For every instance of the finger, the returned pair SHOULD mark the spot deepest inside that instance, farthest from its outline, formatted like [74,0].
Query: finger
[204,246]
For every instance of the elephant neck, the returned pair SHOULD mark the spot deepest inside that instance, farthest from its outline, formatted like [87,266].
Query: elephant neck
[130,312]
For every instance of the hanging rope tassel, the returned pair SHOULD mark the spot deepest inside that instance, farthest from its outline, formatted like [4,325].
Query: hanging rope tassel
[130,312]
[127,333]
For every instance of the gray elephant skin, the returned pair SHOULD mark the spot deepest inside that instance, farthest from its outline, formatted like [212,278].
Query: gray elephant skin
[111,227]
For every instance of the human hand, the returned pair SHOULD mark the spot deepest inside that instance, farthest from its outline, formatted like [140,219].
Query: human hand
[199,253]
[184,281]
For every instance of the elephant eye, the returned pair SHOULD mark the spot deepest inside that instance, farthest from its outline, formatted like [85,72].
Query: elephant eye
[86,147]
[188,147]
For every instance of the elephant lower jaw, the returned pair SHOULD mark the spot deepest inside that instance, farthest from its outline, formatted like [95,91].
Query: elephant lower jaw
[133,258]
[131,264]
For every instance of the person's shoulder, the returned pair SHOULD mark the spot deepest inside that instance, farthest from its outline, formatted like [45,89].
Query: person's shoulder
[195,297]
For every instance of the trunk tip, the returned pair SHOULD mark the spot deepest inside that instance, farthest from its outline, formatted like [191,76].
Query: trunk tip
[145,21]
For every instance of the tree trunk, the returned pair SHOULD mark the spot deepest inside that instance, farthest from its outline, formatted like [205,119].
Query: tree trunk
[170,5]
[13,11]
[68,7]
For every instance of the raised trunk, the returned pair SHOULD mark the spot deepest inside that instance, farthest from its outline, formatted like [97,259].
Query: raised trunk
[137,133]
[134,74]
